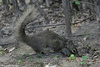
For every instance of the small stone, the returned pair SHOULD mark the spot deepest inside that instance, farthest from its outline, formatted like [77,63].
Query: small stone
[80,43]
[53,22]
[11,49]
[48,65]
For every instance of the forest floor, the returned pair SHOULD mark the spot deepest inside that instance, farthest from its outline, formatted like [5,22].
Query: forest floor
[86,35]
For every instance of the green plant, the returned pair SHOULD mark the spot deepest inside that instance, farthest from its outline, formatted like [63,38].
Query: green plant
[1,2]
[72,57]
[20,60]
[40,55]
[28,56]
[83,60]
[2,50]
[56,56]
[76,2]
[41,65]
[85,35]
[36,60]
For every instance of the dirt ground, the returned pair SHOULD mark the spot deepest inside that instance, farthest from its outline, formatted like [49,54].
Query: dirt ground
[86,36]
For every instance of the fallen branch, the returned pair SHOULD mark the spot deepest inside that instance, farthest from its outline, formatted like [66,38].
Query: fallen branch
[38,26]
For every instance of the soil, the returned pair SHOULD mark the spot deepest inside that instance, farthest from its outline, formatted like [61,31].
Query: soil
[85,35]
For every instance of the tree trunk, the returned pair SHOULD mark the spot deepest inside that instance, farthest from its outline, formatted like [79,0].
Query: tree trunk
[66,7]
[97,8]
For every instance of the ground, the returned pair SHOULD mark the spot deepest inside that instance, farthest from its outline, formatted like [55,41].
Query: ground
[86,36]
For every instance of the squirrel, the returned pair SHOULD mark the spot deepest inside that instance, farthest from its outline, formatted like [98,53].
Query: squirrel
[41,40]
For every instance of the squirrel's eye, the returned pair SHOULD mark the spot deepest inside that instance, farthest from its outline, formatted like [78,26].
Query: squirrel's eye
[74,50]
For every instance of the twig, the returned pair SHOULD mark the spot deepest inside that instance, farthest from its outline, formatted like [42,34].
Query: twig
[83,20]
[47,25]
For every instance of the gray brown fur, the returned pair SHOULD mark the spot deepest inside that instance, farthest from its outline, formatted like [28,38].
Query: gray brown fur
[44,39]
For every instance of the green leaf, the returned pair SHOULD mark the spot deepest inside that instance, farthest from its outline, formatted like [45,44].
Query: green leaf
[82,62]
[73,1]
[84,57]
[1,2]
[41,65]
[77,3]
[72,55]
[19,61]
[2,50]
[85,34]
[73,58]
[28,56]
[56,56]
